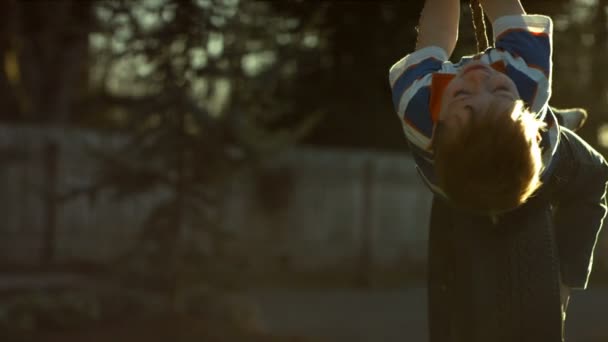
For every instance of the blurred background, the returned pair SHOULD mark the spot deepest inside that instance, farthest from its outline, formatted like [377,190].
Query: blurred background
[232,170]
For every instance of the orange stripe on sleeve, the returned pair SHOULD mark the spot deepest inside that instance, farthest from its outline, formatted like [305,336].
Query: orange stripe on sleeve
[499,66]
[438,84]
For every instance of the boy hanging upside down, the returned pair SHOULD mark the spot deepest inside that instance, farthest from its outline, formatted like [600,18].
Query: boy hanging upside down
[484,137]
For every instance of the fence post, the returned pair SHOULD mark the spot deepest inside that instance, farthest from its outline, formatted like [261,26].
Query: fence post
[366,262]
[50,157]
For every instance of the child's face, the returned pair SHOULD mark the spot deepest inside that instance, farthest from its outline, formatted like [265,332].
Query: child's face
[477,89]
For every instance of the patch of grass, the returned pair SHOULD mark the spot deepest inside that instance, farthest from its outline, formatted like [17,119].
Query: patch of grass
[165,328]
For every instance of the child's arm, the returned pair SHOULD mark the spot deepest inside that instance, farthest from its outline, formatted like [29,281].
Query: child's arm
[438,25]
[499,8]
[524,44]
[411,77]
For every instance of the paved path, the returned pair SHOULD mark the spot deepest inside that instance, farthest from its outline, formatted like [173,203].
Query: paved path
[391,316]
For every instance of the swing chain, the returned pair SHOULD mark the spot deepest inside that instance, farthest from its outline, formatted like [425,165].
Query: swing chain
[479,25]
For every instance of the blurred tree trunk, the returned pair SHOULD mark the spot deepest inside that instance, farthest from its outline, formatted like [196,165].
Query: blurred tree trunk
[9,70]
[44,46]
[43,74]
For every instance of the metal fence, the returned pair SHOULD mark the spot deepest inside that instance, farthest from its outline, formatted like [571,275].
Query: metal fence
[308,206]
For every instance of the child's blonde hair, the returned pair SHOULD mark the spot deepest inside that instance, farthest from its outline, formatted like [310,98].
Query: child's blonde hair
[493,163]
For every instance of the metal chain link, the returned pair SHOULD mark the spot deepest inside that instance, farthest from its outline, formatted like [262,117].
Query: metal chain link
[479,25]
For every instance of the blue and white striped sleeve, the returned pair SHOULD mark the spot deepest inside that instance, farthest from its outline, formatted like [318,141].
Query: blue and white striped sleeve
[410,79]
[524,43]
